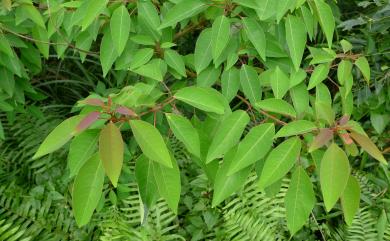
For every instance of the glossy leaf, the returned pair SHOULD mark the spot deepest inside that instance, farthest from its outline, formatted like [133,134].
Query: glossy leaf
[350,199]
[120,28]
[225,185]
[185,132]
[366,143]
[253,147]
[296,128]
[326,19]
[59,136]
[81,149]
[296,39]
[203,98]
[151,142]
[220,33]
[277,106]
[87,190]
[299,200]
[281,159]
[256,35]
[111,150]
[334,175]
[250,83]
[227,135]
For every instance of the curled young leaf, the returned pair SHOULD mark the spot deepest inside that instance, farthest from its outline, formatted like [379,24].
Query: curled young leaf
[87,121]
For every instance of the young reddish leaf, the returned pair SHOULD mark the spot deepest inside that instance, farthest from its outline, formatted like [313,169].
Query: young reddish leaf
[368,146]
[93,102]
[126,111]
[87,121]
[111,151]
[344,120]
[321,139]
[346,138]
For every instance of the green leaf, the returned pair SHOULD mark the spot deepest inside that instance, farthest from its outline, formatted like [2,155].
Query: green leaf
[203,54]
[325,112]
[220,34]
[59,136]
[225,185]
[280,161]
[185,132]
[308,19]
[230,83]
[277,106]
[175,61]
[345,45]
[366,143]
[147,183]
[181,11]
[8,81]
[250,83]
[256,35]
[151,142]
[344,71]
[203,98]
[87,190]
[296,39]
[81,149]
[280,83]
[364,67]
[296,128]
[283,7]
[300,98]
[152,70]
[32,13]
[299,200]
[41,35]
[90,9]
[326,19]
[266,9]
[148,19]
[168,180]
[321,56]
[111,150]
[253,147]
[227,135]
[108,54]
[334,175]
[5,47]
[350,199]
[120,28]
[319,74]
[297,77]
[141,57]
[208,77]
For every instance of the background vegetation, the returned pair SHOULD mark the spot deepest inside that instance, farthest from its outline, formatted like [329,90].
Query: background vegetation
[55,69]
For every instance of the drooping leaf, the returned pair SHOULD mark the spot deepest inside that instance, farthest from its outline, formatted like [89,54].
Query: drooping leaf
[220,33]
[7,84]
[280,83]
[225,185]
[319,74]
[147,183]
[326,19]
[253,147]
[364,67]
[81,149]
[366,143]
[334,175]
[277,106]
[250,83]
[87,190]
[175,61]
[185,132]
[283,7]
[108,54]
[120,28]
[181,11]
[256,35]
[87,121]
[203,98]
[227,135]
[59,136]
[299,200]
[296,39]
[296,128]
[89,10]
[230,82]
[151,142]
[344,71]
[111,150]
[323,137]
[280,161]
[300,98]
[203,53]
[350,199]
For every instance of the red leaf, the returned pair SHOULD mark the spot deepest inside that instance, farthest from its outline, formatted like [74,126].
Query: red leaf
[93,102]
[321,139]
[87,121]
[346,138]
[125,111]
[344,120]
